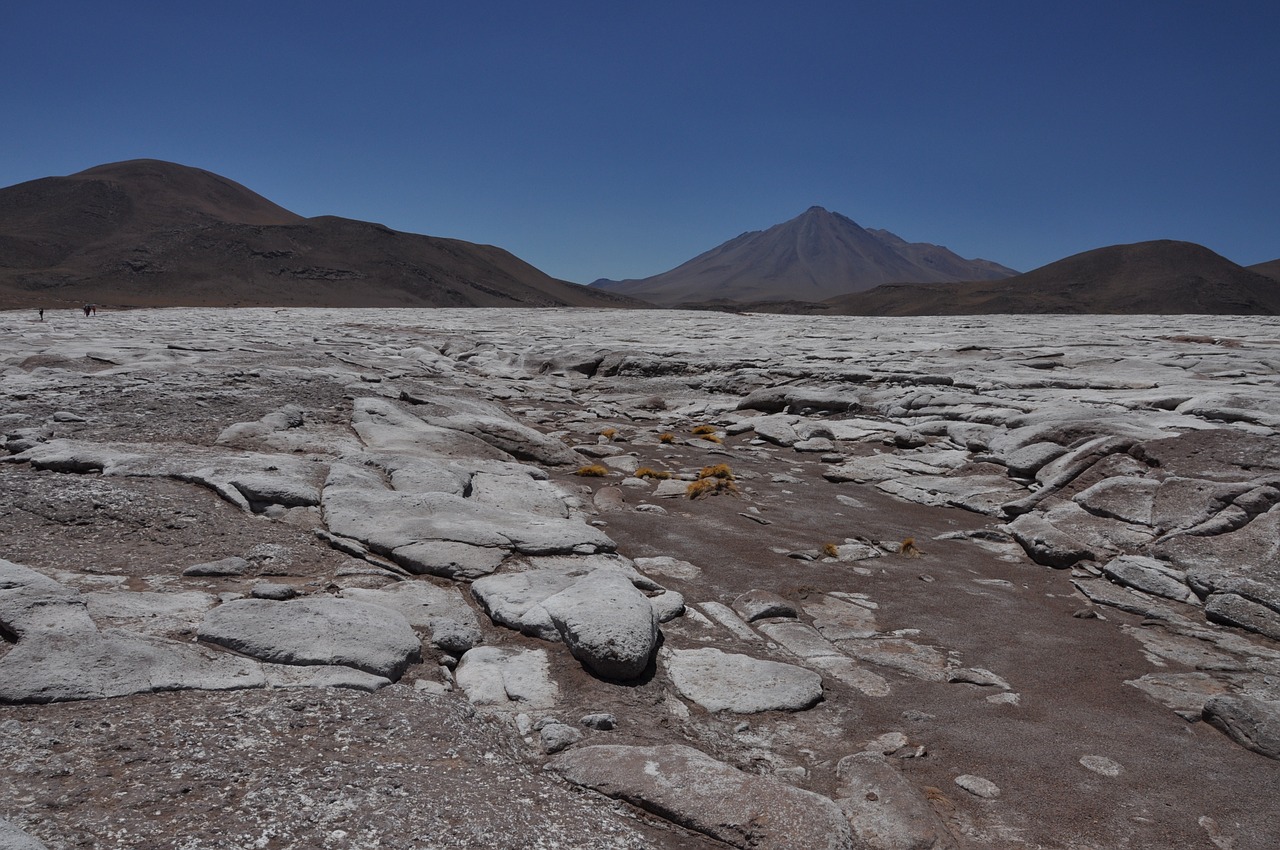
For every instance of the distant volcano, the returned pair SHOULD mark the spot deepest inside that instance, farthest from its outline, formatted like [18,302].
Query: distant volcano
[813,257]
[152,233]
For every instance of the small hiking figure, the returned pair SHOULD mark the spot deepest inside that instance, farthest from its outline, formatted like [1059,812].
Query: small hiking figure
[86,310]
[42,314]
[94,309]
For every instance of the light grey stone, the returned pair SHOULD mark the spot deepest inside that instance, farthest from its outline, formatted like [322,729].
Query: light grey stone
[1149,576]
[886,811]
[978,786]
[608,624]
[557,737]
[721,681]
[507,678]
[14,838]
[758,604]
[316,630]
[1251,722]
[710,797]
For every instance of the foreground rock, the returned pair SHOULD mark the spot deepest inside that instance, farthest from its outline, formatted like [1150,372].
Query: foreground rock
[1251,722]
[700,793]
[721,681]
[319,630]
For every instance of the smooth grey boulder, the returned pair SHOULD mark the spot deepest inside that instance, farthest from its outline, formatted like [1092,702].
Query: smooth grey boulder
[1149,576]
[14,838]
[1251,722]
[777,399]
[115,663]
[557,737]
[507,678]
[1187,502]
[1126,498]
[442,611]
[886,811]
[758,604]
[507,435]
[384,426]
[1026,461]
[722,681]
[448,559]
[316,630]
[270,489]
[1233,609]
[699,793]
[1060,472]
[608,624]
[983,494]
[1045,544]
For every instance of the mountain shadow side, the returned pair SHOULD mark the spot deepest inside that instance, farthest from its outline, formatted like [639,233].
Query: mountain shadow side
[813,257]
[152,233]
[1162,277]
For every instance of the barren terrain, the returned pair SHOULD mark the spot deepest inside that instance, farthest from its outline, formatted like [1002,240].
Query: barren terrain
[313,578]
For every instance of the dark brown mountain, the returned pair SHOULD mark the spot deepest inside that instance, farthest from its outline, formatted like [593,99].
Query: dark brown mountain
[1162,277]
[812,257]
[151,233]
[1270,268]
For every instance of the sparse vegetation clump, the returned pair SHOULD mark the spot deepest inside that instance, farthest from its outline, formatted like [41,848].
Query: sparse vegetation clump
[710,438]
[609,433]
[720,470]
[830,550]
[700,430]
[909,549]
[656,474]
[666,437]
[710,487]
[712,481]
[595,470]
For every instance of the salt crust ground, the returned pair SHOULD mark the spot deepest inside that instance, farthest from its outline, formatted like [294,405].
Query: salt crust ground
[1081,759]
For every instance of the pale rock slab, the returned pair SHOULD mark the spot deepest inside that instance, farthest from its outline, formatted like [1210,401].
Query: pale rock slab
[14,838]
[1251,722]
[886,811]
[699,793]
[1150,576]
[508,679]
[720,681]
[442,611]
[608,625]
[316,630]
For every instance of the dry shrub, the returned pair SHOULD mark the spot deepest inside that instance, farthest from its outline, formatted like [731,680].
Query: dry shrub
[909,549]
[656,474]
[720,470]
[666,438]
[699,430]
[595,470]
[830,550]
[710,487]
[710,438]
[609,433]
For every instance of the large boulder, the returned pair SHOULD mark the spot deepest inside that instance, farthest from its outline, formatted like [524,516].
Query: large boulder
[608,624]
[1250,722]
[885,810]
[699,793]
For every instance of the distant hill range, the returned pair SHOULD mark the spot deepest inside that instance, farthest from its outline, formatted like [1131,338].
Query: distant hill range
[152,233]
[813,257]
[1161,277]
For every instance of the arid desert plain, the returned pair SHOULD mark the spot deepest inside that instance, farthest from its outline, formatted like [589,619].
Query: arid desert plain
[400,578]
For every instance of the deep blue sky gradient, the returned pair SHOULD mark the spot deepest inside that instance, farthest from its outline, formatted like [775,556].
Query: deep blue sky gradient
[598,139]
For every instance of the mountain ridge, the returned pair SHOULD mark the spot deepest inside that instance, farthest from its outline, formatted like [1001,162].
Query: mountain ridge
[152,233]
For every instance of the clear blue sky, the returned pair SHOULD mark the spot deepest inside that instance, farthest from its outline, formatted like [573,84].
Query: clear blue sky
[600,139]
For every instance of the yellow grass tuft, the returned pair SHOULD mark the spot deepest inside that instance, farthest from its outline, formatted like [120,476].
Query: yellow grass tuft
[666,438]
[656,474]
[909,549]
[595,470]
[609,433]
[710,487]
[720,470]
[830,550]
[699,430]
[710,438]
